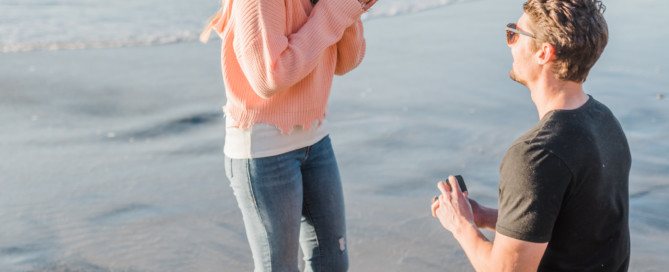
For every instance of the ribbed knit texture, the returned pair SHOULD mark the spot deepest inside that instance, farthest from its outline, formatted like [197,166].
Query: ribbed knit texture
[279,57]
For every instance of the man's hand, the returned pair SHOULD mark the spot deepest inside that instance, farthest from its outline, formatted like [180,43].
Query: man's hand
[484,217]
[456,212]
[452,208]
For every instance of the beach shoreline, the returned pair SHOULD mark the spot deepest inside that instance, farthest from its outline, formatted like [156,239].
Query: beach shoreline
[114,156]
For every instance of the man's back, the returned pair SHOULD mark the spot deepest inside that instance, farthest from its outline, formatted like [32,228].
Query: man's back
[566,182]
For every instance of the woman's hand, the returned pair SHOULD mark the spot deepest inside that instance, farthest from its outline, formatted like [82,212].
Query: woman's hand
[366,4]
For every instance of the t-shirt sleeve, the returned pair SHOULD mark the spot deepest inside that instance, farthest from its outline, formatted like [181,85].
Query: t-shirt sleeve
[533,183]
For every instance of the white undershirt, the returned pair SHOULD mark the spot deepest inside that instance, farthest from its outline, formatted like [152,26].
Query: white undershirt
[264,140]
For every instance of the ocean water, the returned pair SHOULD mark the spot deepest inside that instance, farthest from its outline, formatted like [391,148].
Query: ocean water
[111,132]
[27,25]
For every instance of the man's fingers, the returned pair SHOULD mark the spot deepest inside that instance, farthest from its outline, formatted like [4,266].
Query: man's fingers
[443,187]
[456,185]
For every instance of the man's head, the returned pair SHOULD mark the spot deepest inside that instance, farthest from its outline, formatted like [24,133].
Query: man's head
[575,29]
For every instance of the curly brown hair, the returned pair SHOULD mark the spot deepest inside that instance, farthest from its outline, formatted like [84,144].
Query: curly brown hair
[577,30]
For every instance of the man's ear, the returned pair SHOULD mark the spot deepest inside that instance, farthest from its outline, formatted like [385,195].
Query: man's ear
[546,53]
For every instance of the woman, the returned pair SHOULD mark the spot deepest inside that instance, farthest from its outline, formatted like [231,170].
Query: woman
[279,59]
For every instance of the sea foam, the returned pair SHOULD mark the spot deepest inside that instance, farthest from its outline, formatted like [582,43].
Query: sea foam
[30,25]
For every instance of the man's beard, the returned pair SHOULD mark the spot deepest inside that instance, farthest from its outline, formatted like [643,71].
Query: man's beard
[515,78]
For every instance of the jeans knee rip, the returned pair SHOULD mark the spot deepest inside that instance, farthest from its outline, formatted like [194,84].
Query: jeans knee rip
[342,244]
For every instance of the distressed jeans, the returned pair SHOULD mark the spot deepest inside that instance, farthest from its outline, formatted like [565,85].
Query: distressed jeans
[295,196]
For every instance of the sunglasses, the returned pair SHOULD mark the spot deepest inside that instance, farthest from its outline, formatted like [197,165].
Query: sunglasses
[512,34]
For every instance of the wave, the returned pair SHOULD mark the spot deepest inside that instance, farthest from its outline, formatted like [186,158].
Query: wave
[78,45]
[387,9]
[398,9]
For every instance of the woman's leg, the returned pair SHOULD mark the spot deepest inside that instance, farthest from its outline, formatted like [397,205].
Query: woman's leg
[323,232]
[269,194]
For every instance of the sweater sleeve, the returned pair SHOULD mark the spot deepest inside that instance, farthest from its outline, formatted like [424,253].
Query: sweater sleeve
[273,60]
[350,49]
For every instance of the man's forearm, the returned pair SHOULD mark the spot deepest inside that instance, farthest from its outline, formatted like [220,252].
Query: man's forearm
[490,219]
[504,254]
[477,247]
[485,218]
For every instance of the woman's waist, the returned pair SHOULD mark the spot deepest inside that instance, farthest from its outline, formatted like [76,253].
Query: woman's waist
[263,139]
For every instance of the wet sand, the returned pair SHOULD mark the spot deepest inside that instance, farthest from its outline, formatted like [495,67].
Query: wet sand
[112,158]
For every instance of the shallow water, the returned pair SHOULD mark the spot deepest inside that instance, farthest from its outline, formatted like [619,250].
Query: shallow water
[112,158]
[28,25]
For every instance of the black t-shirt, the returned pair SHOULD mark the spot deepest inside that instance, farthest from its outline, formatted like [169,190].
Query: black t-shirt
[565,182]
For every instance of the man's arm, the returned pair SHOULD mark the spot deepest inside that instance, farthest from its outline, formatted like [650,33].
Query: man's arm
[503,254]
[484,217]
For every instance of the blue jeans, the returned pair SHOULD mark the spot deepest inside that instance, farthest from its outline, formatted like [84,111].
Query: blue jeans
[295,196]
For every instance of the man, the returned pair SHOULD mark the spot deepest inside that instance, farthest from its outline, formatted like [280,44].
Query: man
[563,192]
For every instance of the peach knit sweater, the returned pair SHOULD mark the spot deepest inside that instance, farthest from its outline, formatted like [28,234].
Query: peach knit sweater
[279,57]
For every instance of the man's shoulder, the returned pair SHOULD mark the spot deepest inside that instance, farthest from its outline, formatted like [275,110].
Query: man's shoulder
[573,136]
[550,134]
